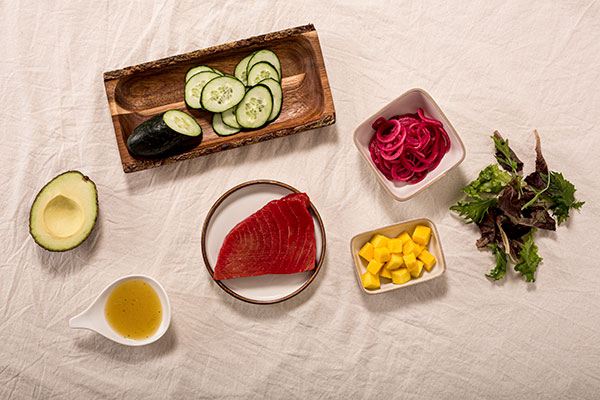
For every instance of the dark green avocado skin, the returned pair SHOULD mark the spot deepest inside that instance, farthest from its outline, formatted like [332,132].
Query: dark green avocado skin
[153,138]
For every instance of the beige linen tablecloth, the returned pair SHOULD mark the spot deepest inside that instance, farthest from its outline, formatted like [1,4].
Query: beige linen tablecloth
[513,66]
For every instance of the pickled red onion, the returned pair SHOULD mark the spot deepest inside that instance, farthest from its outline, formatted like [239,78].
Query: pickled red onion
[407,147]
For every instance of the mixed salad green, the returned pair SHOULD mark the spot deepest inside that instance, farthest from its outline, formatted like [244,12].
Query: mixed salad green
[508,209]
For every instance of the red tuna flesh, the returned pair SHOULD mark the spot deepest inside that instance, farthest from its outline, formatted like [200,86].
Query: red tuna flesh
[277,239]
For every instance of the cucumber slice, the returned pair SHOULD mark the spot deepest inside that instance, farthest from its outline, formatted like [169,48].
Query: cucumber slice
[241,68]
[220,128]
[182,123]
[268,56]
[193,88]
[218,72]
[261,71]
[229,118]
[222,93]
[196,70]
[255,108]
[277,93]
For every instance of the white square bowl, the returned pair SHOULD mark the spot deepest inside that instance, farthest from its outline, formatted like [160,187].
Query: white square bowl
[434,246]
[408,103]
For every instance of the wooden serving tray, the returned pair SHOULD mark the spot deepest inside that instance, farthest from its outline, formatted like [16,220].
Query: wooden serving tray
[138,92]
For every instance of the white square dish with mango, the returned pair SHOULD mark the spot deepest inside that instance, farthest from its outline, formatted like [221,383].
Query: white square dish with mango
[396,256]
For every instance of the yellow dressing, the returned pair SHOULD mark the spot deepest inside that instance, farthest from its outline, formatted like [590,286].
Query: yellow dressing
[133,309]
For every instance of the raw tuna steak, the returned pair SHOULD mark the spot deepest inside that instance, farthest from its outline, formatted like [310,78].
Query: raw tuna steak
[277,239]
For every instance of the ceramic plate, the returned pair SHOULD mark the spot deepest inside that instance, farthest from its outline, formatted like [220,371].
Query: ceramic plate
[232,207]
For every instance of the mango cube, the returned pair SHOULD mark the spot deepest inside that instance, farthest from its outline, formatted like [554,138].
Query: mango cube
[366,251]
[410,260]
[381,254]
[374,267]
[428,260]
[404,236]
[370,281]
[409,247]
[416,272]
[421,235]
[400,276]
[395,262]
[418,249]
[395,245]
[379,241]
[385,273]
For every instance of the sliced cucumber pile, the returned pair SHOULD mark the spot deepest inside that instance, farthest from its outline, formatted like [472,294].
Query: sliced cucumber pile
[249,99]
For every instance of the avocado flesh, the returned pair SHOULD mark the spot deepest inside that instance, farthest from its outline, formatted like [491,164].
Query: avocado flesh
[64,212]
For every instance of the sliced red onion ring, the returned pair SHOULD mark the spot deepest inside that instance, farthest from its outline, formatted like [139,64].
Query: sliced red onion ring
[378,122]
[388,131]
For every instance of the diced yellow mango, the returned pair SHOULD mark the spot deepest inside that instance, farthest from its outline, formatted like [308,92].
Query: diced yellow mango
[400,276]
[428,260]
[418,249]
[395,245]
[404,236]
[394,262]
[370,281]
[412,265]
[416,272]
[421,235]
[385,273]
[379,241]
[381,254]
[374,267]
[366,251]
[410,260]
[409,247]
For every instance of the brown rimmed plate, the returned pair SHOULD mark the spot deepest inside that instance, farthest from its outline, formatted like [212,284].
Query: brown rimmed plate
[232,207]
[139,92]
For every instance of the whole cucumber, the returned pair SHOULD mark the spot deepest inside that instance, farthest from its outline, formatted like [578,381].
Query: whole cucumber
[155,138]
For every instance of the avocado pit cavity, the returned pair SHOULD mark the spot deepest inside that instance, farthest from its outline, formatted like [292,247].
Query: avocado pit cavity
[63,216]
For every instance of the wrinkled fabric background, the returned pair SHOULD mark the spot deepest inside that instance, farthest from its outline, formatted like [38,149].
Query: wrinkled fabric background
[513,66]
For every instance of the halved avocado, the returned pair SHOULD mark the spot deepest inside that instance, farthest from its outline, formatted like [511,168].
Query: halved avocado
[64,212]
